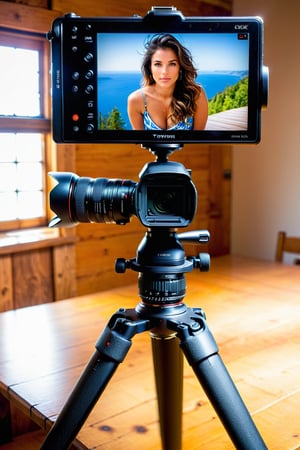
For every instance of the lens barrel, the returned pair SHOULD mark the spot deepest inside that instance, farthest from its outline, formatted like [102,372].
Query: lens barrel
[80,199]
[103,200]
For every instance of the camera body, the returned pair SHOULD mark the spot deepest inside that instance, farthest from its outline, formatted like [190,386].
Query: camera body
[96,63]
[164,197]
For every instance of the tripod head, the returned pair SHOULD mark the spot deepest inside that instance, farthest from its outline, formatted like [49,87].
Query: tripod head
[161,263]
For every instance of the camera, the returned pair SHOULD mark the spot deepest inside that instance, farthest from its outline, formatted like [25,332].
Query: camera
[90,92]
[96,64]
[164,197]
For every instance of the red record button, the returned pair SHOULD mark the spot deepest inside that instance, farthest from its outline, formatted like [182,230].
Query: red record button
[75,117]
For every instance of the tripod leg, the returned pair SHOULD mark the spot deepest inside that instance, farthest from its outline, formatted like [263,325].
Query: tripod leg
[168,368]
[201,351]
[80,403]
[228,404]
[111,349]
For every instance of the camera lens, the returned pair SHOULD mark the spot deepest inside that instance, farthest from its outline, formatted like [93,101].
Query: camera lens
[163,202]
[101,200]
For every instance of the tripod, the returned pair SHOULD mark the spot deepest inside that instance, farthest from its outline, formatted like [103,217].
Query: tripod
[163,313]
[161,264]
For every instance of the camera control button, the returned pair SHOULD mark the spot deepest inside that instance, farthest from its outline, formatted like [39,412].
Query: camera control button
[90,128]
[89,57]
[89,74]
[88,39]
[75,75]
[89,89]
[75,89]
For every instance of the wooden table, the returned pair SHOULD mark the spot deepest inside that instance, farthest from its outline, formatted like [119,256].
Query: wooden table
[253,311]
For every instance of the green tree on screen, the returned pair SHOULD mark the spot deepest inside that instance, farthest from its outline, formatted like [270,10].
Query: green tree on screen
[232,97]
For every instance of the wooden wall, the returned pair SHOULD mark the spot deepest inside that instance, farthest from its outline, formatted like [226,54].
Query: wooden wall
[36,270]
[100,244]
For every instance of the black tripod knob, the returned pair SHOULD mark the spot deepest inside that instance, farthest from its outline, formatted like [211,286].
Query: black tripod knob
[202,262]
[121,265]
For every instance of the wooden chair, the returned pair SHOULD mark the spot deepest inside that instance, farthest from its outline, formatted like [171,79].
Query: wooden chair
[287,244]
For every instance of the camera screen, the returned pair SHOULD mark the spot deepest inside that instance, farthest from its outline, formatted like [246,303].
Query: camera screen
[167,79]
[222,66]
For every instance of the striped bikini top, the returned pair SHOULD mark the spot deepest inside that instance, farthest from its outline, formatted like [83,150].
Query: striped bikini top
[150,125]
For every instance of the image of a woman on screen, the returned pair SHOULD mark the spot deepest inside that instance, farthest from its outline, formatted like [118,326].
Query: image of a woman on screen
[170,99]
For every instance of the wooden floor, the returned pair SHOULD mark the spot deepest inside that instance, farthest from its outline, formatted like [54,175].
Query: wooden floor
[253,311]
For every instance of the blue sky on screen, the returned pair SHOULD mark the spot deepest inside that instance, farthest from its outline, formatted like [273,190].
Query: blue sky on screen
[223,52]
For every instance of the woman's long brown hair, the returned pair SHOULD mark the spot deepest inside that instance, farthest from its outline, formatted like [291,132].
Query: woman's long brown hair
[187,91]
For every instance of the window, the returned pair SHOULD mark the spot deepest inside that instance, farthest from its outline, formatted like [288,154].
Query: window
[24,130]
[21,176]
